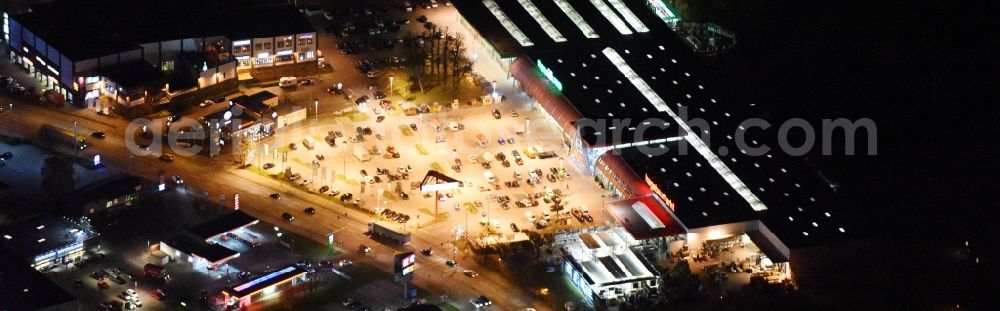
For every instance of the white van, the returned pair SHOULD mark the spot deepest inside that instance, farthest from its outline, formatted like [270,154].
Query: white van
[287,81]
[489,176]
[309,142]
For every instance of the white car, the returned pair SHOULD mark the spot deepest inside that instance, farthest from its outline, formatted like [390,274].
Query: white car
[305,182]
[530,215]
[328,15]
[434,3]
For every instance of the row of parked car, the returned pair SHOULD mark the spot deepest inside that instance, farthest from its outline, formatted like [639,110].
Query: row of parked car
[393,215]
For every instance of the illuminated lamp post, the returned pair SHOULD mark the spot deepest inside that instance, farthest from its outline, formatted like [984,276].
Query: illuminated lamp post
[495,95]
[391,78]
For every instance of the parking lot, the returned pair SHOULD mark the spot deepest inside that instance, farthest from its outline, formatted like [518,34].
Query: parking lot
[436,145]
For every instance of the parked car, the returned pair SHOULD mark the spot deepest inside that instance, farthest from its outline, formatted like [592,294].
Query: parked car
[309,210]
[98,135]
[167,157]
[287,217]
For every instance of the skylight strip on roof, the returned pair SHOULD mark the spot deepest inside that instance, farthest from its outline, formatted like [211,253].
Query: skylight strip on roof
[577,19]
[647,216]
[692,137]
[611,16]
[507,23]
[542,21]
[629,16]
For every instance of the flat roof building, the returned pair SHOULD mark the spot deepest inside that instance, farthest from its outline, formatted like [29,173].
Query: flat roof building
[221,225]
[265,286]
[123,50]
[198,245]
[604,267]
[636,107]
[27,289]
[47,241]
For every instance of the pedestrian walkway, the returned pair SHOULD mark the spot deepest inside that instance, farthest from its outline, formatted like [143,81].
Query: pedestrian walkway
[9,69]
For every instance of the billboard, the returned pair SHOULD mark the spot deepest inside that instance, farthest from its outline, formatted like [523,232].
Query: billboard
[405,264]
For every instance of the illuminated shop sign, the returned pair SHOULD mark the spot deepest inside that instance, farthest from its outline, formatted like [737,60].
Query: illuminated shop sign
[405,263]
[549,75]
[656,190]
[264,279]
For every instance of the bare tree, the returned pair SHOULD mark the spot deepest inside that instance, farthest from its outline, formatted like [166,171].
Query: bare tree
[458,62]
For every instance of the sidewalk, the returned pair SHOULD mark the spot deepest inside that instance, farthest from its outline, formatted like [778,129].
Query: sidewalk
[9,69]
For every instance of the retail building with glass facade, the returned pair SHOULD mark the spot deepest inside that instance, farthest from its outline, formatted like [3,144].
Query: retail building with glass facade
[46,241]
[135,52]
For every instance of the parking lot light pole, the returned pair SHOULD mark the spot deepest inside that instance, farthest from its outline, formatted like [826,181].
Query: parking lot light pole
[494,94]
[391,78]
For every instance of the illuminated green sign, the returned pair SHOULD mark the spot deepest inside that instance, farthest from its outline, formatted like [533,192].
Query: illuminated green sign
[549,75]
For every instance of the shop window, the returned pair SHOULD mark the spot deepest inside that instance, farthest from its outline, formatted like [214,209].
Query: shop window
[89,80]
[267,45]
[243,48]
[167,65]
[258,47]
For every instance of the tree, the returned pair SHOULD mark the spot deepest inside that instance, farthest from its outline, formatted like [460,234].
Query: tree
[459,64]
[401,83]
[247,149]
[58,176]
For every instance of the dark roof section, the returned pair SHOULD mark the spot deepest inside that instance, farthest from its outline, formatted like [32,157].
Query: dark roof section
[222,224]
[246,118]
[42,234]
[192,245]
[133,74]
[255,102]
[614,113]
[25,288]
[703,198]
[109,189]
[266,280]
[83,29]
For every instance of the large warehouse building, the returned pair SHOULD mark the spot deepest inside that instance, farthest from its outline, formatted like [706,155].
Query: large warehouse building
[635,107]
[126,50]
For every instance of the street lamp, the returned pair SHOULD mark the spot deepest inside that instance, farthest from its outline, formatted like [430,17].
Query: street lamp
[316,116]
[495,90]
[391,78]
